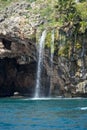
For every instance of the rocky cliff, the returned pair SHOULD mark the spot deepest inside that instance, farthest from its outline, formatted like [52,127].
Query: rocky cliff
[21,24]
[18,51]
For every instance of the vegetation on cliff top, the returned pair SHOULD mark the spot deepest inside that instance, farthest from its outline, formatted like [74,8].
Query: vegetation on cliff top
[69,16]
[57,12]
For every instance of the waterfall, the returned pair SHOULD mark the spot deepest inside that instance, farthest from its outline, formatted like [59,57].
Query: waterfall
[40,61]
[52,48]
[52,55]
[82,56]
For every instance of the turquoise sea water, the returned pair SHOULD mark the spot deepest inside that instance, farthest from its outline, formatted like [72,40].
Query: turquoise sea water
[50,114]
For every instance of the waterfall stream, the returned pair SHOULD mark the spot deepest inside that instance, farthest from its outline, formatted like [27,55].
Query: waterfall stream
[39,66]
[82,57]
[52,48]
[52,55]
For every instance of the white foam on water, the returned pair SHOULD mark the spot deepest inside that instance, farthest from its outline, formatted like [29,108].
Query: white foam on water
[42,98]
[53,98]
[83,108]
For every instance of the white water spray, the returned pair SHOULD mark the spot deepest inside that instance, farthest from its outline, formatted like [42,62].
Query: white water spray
[40,61]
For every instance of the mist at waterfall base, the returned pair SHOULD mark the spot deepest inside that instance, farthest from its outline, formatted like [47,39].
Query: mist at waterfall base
[54,114]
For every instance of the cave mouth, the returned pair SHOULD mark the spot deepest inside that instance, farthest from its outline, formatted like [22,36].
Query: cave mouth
[7,70]
[18,73]
[6,43]
[16,78]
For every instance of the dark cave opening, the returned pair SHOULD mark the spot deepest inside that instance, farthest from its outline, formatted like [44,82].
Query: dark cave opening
[16,78]
[7,73]
[7,43]
[20,76]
